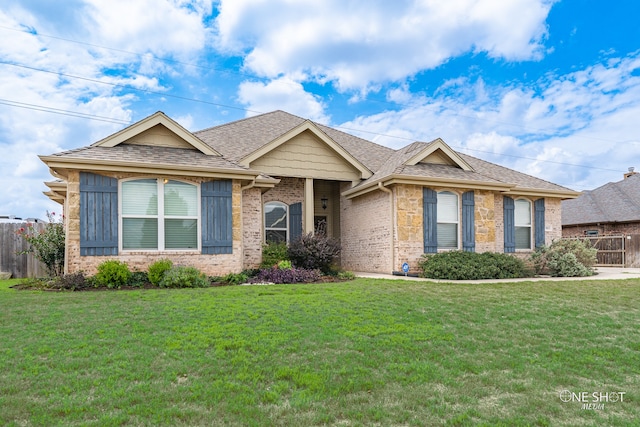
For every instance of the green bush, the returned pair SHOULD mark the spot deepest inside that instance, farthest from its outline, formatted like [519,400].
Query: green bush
[565,258]
[157,270]
[184,277]
[139,279]
[235,278]
[47,245]
[458,265]
[314,252]
[113,274]
[273,253]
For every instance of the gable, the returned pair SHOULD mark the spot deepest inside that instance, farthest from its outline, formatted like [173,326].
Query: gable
[305,154]
[159,136]
[438,152]
[438,157]
[160,131]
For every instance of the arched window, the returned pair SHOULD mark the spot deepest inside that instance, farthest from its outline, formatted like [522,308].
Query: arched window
[276,223]
[522,222]
[159,214]
[448,220]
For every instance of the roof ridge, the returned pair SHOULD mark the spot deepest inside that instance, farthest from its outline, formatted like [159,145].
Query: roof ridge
[245,119]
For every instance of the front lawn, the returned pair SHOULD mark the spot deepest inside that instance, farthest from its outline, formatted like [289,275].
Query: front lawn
[365,352]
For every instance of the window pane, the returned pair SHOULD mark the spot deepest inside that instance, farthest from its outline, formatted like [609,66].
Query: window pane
[275,216]
[447,236]
[180,234]
[447,207]
[523,237]
[522,212]
[180,199]
[139,233]
[276,236]
[140,197]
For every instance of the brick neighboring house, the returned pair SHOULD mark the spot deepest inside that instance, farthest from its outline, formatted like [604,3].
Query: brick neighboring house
[212,198]
[613,208]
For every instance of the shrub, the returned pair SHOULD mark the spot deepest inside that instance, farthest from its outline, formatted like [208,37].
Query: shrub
[290,275]
[565,258]
[157,270]
[47,245]
[314,252]
[139,279]
[273,253]
[113,274]
[346,275]
[235,278]
[184,277]
[284,265]
[458,265]
[72,282]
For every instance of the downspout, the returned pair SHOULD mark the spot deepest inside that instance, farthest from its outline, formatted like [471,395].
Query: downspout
[381,187]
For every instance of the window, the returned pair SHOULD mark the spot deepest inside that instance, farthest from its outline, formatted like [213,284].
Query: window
[159,215]
[276,222]
[447,214]
[522,222]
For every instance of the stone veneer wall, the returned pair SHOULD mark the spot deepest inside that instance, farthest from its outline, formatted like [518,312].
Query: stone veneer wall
[485,221]
[212,265]
[365,224]
[409,234]
[552,220]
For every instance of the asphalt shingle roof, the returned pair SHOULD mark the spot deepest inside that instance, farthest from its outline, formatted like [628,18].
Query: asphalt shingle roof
[612,202]
[236,140]
[152,155]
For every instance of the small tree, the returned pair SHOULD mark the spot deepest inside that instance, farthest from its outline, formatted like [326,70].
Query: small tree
[47,245]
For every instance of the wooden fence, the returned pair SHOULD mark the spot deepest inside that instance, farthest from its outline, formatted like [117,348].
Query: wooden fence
[11,243]
[616,251]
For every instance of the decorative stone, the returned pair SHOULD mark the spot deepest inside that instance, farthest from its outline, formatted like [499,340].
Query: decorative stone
[5,275]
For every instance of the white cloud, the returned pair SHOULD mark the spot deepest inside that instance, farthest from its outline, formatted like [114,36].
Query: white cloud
[588,117]
[358,43]
[282,94]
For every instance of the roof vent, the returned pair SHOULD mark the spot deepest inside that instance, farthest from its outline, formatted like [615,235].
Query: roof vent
[631,172]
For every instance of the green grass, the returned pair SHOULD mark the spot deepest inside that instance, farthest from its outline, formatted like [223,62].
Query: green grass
[366,352]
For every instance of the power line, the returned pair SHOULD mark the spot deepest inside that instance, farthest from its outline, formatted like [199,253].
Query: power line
[52,110]
[128,87]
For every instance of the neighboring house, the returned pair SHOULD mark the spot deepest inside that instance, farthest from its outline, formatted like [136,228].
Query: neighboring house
[613,208]
[212,198]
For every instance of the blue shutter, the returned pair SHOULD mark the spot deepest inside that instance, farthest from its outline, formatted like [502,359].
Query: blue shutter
[509,225]
[217,217]
[468,222]
[430,220]
[295,221]
[98,215]
[538,207]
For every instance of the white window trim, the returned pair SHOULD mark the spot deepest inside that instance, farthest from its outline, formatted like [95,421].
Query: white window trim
[160,217]
[264,219]
[457,221]
[530,225]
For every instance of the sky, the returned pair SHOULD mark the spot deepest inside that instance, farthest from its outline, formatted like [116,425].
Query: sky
[549,88]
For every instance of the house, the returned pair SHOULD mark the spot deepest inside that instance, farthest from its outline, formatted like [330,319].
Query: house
[613,208]
[212,198]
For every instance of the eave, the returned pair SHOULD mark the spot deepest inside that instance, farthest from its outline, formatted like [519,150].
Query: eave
[504,188]
[426,181]
[59,165]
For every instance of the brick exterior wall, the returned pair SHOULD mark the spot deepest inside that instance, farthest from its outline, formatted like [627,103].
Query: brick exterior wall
[252,228]
[366,240]
[212,265]
[365,224]
[626,228]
